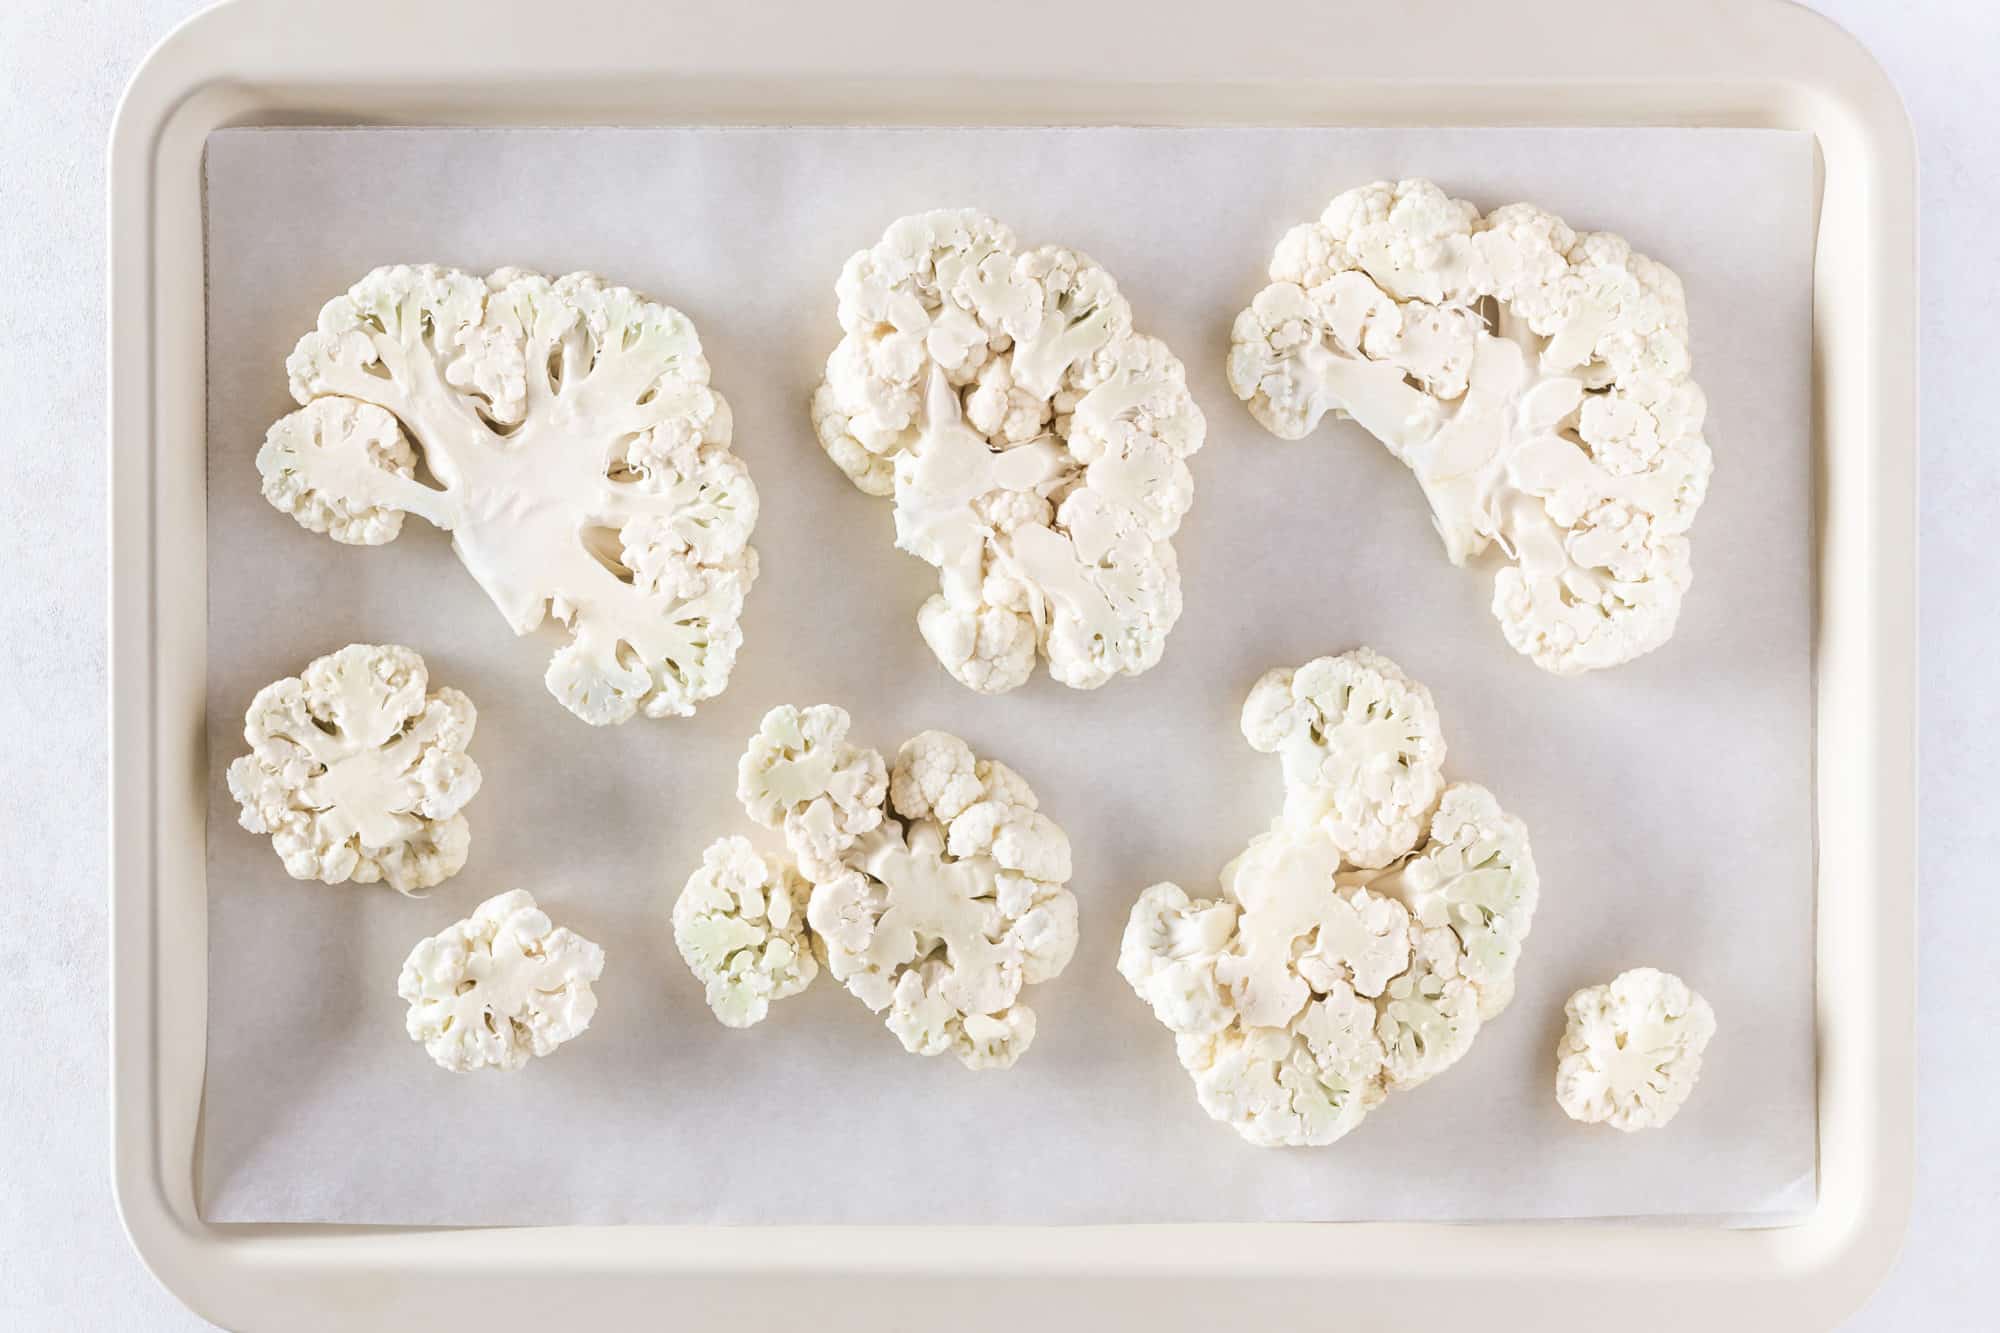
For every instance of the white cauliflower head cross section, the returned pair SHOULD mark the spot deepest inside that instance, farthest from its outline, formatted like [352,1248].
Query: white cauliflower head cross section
[357,773]
[500,986]
[1035,446]
[940,916]
[1358,946]
[1535,380]
[581,462]
[1632,1050]
[740,925]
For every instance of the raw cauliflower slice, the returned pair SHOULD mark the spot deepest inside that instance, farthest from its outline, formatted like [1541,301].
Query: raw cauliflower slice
[942,915]
[1535,380]
[1359,946]
[740,925]
[1306,1084]
[581,461]
[1035,447]
[1632,1050]
[1362,750]
[357,773]
[500,986]
[801,775]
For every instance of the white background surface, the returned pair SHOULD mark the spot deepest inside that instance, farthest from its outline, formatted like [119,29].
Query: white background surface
[1164,787]
[63,1262]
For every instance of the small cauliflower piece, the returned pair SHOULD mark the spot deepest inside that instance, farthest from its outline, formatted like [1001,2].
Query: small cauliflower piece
[1362,750]
[500,986]
[1358,947]
[740,925]
[801,775]
[1536,381]
[582,467]
[357,773]
[1035,447]
[940,916]
[1632,1050]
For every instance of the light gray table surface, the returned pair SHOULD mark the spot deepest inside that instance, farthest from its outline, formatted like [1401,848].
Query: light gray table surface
[64,1262]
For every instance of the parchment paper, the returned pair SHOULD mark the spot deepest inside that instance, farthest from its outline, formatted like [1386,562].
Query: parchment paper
[1669,801]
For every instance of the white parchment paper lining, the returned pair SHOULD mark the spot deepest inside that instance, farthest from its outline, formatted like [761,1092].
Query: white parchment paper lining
[1669,801]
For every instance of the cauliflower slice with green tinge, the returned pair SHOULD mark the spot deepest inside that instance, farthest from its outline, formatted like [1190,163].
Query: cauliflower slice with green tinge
[1354,951]
[1632,1050]
[357,773]
[581,461]
[800,774]
[740,925]
[500,986]
[1536,382]
[1035,447]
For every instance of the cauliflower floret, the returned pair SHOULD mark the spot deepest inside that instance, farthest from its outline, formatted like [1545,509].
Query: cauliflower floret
[1632,1050]
[740,924]
[801,774]
[356,773]
[1535,381]
[1304,1085]
[1169,954]
[1362,750]
[501,986]
[942,915]
[583,466]
[1477,876]
[1034,445]
[1355,949]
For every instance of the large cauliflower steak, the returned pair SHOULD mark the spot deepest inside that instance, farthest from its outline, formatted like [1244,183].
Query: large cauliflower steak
[581,462]
[499,987]
[1345,957]
[1631,1051]
[1035,447]
[358,773]
[1536,381]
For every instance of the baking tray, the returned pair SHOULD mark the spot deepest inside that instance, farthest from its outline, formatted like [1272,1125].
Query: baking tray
[1746,63]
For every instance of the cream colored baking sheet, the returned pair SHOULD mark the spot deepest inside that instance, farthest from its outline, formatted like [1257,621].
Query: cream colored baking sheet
[1670,801]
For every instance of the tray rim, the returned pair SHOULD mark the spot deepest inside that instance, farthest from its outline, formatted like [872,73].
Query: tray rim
[1566,62]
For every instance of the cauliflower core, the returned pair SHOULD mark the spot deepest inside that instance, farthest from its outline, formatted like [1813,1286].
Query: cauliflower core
[499,986]
[1632,1050]
[1535,380]
[1035,447]
[1317,983]
[740,925]
[581,464]
[357,773]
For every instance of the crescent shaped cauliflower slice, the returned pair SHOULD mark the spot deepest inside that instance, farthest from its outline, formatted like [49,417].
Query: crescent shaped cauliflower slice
[1035,447]
[1323,978]
[740,925]
[1362,749]
[800,774]
[1632,1050]
[500,986]
[357,773]
[581,461]
[1536,381]
[943,914]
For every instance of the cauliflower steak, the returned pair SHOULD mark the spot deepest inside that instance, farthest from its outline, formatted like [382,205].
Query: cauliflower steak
[581,462]
[1355,948]
[1035,447]
[1536,381]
